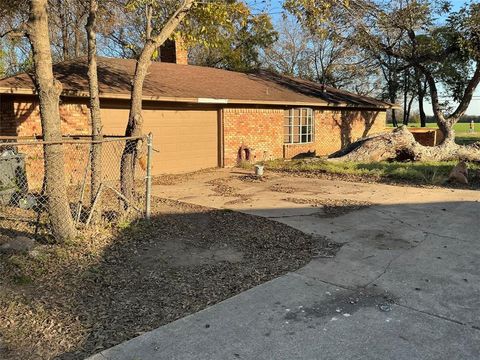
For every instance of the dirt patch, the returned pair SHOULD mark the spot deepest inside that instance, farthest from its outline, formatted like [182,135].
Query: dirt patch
[332,207]
[169,179]
[222,187]
[70,301]
[253,178]
[282,189]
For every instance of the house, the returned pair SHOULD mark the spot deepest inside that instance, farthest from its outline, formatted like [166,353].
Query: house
[202,117]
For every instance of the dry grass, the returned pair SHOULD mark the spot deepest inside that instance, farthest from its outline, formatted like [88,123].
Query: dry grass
[410,173]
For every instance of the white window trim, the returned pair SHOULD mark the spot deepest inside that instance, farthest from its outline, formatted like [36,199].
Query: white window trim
[291,126]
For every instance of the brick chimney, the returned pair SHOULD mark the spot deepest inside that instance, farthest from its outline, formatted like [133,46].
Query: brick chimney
[173,51]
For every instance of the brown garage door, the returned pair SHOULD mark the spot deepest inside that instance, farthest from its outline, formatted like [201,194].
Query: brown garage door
[186,140]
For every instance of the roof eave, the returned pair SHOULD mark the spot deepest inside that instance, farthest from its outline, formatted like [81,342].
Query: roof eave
[120,96]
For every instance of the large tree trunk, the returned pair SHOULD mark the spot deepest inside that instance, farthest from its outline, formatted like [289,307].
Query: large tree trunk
[400,145]
[49,90]
[135,119]
[95,117]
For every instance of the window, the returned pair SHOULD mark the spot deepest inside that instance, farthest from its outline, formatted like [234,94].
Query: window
[298,126]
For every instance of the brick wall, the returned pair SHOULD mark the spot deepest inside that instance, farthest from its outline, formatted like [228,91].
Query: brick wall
[261,130]
[174,51]
[335,129]
[21,117]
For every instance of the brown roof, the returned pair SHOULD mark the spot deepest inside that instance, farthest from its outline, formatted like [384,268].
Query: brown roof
[187,83]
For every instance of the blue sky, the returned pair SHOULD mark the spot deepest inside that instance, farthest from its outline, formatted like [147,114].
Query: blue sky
[274,7]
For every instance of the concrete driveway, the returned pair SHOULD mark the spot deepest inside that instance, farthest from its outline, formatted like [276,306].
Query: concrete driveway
[404,285]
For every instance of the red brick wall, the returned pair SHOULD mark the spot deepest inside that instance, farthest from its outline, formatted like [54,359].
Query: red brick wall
[335,129]
[262,131]
[21,117]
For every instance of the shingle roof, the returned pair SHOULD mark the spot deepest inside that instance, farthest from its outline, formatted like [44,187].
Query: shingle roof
[174,82]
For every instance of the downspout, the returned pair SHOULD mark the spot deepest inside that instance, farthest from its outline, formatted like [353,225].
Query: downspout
[221,138]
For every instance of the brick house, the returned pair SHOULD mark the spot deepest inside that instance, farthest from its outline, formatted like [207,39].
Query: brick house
[202,117]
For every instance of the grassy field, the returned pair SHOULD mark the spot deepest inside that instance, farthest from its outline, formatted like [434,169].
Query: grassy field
[417,173]
[462,132]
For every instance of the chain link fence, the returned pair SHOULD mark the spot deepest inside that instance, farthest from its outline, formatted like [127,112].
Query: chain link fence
[121,182]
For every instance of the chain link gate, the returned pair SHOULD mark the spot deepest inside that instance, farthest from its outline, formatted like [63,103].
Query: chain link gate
[23,200]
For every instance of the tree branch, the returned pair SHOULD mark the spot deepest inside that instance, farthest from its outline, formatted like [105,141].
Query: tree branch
[467,95]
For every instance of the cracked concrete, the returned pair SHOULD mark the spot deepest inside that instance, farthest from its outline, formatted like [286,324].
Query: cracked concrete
[415,249]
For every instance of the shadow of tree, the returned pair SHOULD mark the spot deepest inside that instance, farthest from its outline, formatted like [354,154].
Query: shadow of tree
[113,285]
[78,299]
[347,120]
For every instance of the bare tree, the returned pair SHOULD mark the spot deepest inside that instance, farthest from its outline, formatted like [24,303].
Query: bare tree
[49,90]
[155,37]
[323,57]
[95,115]
[289,54]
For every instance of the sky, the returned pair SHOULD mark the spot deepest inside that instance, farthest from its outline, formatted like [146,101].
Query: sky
[274,8]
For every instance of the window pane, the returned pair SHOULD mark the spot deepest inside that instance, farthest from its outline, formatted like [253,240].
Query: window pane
[287,121]
[296,113]
[296,138]
[286,113]
[287,139]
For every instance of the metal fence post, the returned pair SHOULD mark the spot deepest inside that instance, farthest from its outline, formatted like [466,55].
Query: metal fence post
[148,178]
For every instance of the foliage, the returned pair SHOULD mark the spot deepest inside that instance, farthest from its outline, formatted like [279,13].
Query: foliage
[222,34]
[410,32]
[232,43]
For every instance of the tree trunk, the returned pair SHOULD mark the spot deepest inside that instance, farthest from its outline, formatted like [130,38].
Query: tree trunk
[409,108]
[406,85]
[63,29]
[394,118]
[135,119]
[421,90]
[95,116]
[421,110]
[400,145]
[49,90]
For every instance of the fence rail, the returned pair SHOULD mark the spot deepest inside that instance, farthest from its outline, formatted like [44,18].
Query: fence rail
[24,205]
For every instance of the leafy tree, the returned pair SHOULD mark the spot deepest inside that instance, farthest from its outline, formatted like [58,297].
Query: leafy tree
[447,54]
[163,20]
[236,45]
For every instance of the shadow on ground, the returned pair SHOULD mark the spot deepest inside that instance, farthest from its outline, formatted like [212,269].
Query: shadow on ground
[72,301]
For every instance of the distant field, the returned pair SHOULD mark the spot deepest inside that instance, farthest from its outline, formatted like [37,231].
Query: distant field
[462,132]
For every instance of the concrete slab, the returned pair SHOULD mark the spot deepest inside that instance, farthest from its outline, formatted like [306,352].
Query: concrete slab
[415,251]
[294,317]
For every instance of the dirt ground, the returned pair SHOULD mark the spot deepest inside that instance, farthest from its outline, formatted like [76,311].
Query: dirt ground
[71,301]
[239,190]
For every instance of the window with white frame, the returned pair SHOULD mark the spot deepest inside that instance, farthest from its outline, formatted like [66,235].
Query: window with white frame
[298,126]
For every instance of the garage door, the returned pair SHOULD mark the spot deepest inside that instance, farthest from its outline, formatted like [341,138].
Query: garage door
[185,140]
